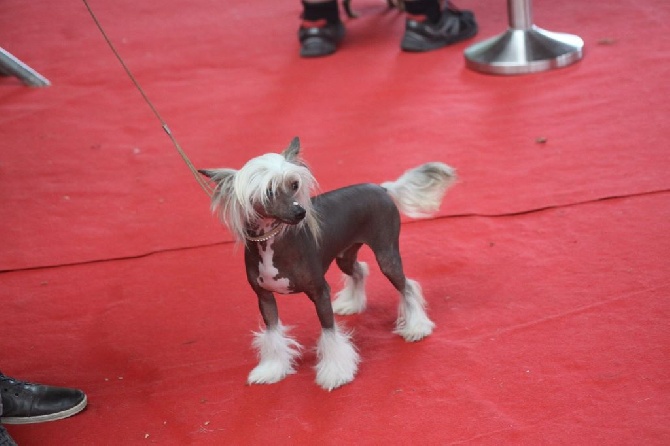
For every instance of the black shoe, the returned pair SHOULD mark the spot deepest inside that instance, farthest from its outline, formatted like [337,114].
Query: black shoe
[454,26]
[24,402]
[5,439]
[317,41]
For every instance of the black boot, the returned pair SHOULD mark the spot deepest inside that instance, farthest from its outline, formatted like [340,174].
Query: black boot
[321,30]
[436,31]
[24,402]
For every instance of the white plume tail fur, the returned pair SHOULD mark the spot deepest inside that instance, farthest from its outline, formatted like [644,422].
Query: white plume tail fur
[419,191]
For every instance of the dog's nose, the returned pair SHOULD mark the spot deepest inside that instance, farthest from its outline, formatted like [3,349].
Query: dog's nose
[299,212]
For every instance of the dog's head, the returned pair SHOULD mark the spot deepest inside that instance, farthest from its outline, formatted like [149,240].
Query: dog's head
[269,188]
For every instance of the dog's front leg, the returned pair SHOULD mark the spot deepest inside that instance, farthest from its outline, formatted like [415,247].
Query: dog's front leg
[337,356]
[277,352]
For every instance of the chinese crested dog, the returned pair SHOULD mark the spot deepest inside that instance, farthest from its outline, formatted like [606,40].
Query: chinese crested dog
[292,238]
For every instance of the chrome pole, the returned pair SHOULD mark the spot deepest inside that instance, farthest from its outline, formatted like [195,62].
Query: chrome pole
[523,48]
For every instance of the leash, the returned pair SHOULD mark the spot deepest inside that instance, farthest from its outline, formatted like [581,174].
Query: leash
[204,184]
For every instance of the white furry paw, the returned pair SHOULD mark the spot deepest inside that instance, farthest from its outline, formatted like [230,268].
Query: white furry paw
[269,372]
[414,331]
[413,323]
[351,299]
[338,359]
[277,353]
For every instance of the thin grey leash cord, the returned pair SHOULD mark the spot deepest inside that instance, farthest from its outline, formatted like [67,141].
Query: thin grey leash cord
[205,186]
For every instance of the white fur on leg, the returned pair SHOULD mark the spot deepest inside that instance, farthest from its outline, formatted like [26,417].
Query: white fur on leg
[351,299]
[338,359]
[413,323]
[277,353]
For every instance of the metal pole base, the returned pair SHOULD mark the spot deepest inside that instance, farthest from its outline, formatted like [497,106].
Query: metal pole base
[522,51]
[11,66]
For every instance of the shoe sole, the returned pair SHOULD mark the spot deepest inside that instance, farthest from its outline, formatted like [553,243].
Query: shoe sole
[5,439]
[417,43]
[316,47]
[49,417]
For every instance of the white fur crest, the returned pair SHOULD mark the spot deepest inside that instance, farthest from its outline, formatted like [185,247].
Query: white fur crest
[338,359]
[277,352]
[239,194]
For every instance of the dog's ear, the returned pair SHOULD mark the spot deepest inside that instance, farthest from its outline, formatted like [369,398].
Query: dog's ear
[292,152]
[217,175]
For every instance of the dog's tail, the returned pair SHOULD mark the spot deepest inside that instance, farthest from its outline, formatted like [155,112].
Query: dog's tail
[418,192]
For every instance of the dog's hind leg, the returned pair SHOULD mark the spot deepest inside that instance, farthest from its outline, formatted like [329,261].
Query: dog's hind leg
[337,357]
[413,323]
[351,299]
[277,352]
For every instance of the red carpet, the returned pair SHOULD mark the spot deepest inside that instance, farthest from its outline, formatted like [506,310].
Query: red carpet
[546,271]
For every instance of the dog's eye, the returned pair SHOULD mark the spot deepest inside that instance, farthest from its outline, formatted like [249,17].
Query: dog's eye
[269,193]
[295,185]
